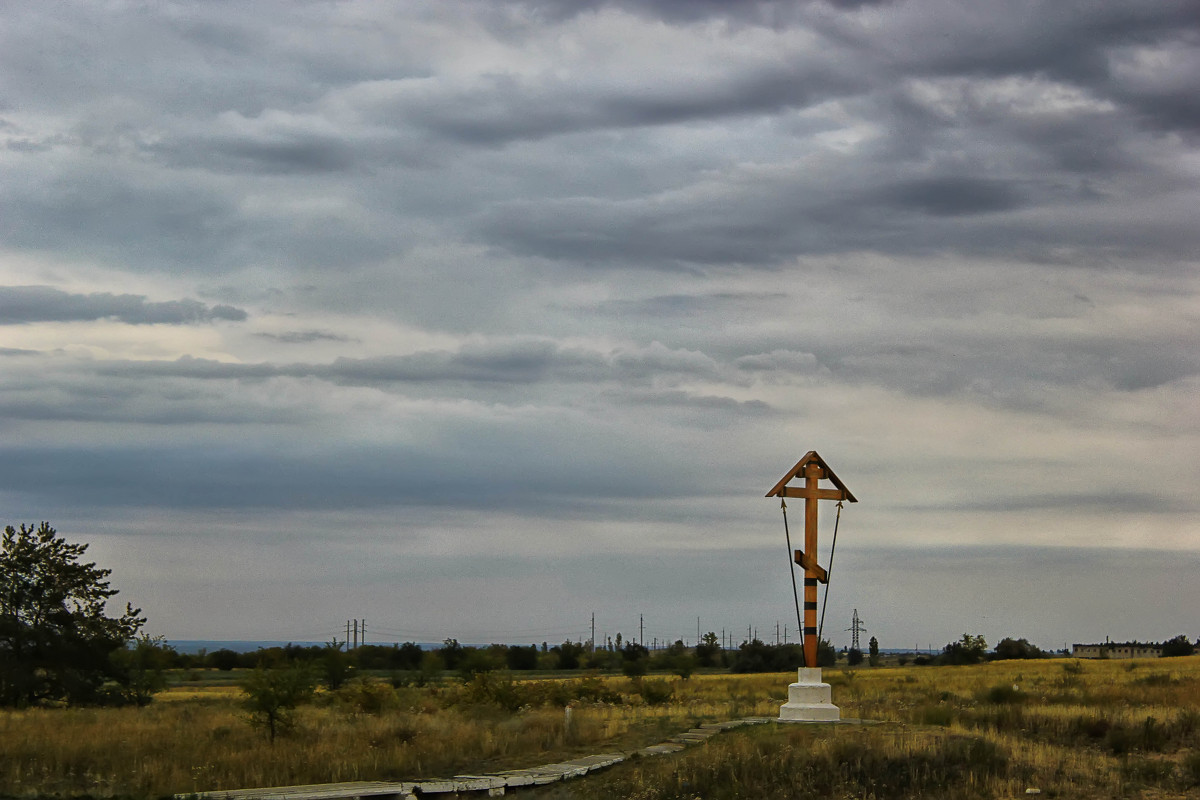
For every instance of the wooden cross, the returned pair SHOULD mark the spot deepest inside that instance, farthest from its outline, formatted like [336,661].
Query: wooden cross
[813,470]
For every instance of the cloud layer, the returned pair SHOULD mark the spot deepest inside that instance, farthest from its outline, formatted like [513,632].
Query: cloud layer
[571,283]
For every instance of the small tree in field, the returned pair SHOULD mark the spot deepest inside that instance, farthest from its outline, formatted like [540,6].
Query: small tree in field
[335,664]
[272,695]
[873,650]
[56,643]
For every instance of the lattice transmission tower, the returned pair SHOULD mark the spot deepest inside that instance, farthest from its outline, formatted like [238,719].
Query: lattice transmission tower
[857,627]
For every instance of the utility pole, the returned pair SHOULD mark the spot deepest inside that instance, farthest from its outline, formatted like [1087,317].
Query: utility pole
[363,638]
[347,635]
[641,629]
[593,631]
[697,631]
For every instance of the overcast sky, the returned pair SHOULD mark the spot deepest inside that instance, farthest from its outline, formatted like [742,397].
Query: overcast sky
[474,318]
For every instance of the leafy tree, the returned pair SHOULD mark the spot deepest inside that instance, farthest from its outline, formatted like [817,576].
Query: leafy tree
[521,658]
[1010,648]
[967,650]
[1178,646]
[272,695]
[451,652]
[854,657]
[873,650]
[569,654]
[224,659]
[56,643]
[408,656]
[677,658]
[708,651]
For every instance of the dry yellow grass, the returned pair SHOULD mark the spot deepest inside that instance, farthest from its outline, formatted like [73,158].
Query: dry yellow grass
[1061,726]
[1074,730]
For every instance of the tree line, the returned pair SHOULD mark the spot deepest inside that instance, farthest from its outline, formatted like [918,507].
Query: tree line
[58,646]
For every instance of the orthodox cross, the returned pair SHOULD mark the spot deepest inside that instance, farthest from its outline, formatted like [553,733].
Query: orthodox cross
[813,470]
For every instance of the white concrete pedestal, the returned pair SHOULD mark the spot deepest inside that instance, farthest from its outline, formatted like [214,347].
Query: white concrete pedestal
[809,700]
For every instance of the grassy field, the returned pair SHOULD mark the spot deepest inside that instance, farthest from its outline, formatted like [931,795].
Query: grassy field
[1067,728]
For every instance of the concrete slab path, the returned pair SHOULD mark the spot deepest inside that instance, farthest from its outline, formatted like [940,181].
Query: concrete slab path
[494,785]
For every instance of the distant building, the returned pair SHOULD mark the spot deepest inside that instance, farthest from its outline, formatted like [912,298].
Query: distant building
[1117,650]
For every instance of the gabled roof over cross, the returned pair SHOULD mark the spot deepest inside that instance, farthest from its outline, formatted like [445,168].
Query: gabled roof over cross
[783,490]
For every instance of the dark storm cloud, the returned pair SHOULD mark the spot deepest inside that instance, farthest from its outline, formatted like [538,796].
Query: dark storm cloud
[503,109]
[1126,502]
[676,305]
[305,337]
[1072,42]
[952,196]
[519,362]
[25,304]
[754,12]
[281,155]
[520,465]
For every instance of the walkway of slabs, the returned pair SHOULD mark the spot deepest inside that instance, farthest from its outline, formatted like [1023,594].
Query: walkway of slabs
[495,784]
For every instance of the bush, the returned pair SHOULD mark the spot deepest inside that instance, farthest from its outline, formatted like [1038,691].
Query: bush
[367,697]
[755,656]
[683,665]
[272,696]
[941,715]
[635,668]
[1003,694]
[1190,769]
[656,692]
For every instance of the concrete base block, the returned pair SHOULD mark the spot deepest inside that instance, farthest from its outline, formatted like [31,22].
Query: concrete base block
[809,700]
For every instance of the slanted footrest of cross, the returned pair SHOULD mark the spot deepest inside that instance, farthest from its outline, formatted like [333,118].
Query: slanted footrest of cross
[809,563]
